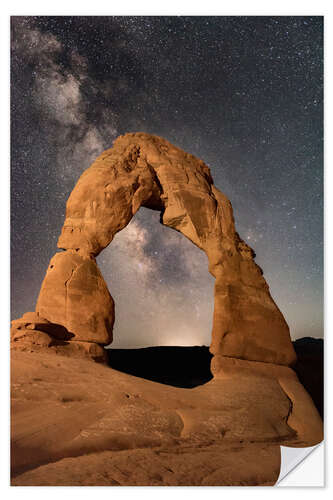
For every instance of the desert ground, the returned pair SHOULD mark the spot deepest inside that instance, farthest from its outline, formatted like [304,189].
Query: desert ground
[78,422]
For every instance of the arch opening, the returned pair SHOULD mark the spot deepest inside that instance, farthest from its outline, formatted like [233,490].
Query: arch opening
[160,284]
[164,301]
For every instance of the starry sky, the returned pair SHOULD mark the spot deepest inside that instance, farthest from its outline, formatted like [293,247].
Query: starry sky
[245,94]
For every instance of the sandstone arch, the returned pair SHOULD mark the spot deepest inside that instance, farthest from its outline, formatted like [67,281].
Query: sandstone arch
[144,170]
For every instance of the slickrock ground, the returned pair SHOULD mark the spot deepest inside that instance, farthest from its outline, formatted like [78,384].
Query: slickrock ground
[77,422]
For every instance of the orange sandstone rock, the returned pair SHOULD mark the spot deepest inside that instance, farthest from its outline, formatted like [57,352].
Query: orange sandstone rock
[144,170]
[74,294]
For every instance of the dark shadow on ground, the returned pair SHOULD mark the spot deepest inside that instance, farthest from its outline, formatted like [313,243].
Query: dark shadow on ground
[310,368]
[189,367]
[185,367]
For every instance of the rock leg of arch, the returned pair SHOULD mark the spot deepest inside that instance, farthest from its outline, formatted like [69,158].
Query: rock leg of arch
[74,294]
[144,170]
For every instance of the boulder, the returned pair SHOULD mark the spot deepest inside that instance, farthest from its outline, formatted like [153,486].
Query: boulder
[36,341]
[21,339]
[33,321]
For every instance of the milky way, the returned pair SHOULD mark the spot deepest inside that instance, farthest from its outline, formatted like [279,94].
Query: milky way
[242,93]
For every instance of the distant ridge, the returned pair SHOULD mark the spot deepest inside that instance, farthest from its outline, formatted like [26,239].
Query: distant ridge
[179,366]
[310,368]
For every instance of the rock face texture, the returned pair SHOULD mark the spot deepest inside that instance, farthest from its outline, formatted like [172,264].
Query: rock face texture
[144,170]
[74,294]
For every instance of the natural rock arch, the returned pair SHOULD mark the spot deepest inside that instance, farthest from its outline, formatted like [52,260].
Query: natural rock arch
[144,170]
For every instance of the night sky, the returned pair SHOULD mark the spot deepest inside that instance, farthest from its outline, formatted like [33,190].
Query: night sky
[242,93]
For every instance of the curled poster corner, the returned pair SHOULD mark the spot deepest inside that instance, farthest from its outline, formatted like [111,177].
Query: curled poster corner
[297,462]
